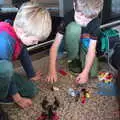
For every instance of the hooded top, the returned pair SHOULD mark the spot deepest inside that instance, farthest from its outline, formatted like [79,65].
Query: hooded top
[10,44]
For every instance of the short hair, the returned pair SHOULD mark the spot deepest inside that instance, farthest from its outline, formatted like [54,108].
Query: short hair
[90,8]
[34,20]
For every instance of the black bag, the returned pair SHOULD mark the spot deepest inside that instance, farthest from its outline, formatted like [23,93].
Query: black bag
[115,58]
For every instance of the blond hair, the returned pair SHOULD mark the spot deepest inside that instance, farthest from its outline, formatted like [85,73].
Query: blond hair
[34,20]
[90,8]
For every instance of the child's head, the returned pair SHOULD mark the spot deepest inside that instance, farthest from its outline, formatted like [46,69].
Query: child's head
[32,23]
[90,8]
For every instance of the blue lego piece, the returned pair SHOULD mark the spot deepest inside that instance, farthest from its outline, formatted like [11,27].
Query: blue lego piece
[73,92]
[108,89]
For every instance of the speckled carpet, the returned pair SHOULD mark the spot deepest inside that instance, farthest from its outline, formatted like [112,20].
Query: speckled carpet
[96,107]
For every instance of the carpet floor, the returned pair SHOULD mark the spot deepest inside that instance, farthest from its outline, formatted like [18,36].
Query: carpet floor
[95,108]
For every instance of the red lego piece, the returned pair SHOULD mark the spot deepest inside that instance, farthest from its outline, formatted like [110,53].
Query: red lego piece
[42,117]
[55,117]
[45,117]
[83,99]
[62,72]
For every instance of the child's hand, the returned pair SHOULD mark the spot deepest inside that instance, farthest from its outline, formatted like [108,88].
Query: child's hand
[82,78]
[37,76]
[52,77]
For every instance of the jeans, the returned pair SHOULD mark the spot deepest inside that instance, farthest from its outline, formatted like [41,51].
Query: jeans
[6,73]
[12,83]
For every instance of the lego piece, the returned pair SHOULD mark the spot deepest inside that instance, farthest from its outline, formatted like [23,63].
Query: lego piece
[77,96]
[54,88]
[45,117]
[71,92]
[83,99]
[62,72]
[83,90]
[105,77]
[87,95]
[110,89]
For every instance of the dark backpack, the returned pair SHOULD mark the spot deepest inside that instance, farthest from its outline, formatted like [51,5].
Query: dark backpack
[115,58]
[109,46]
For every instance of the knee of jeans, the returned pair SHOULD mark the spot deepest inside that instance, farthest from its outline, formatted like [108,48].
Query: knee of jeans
[6,69]
[73,27]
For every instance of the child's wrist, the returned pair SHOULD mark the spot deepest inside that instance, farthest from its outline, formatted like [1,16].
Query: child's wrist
[85,72]
[16,97]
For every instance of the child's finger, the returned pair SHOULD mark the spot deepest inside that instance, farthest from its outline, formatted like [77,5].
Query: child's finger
[55,79]
[77,79]
[50,79]
[39,73]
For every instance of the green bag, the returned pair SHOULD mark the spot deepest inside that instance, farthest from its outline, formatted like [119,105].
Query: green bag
[108,39]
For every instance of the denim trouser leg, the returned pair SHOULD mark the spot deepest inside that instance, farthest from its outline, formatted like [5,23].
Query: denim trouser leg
[27,62]
[12,88]
[12,83]
[6,73]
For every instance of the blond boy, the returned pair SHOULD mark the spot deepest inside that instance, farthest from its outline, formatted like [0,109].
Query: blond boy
[31,25]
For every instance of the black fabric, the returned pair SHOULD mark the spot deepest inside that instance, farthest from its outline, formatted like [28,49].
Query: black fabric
[113,41]
[93,28]
[115,59]
[3,115]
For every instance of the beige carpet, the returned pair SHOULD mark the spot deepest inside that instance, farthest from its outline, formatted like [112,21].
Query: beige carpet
[96,107]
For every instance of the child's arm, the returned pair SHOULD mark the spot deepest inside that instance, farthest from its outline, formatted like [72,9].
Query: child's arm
[90,56]
[83,76]
[26,62]
[52,77]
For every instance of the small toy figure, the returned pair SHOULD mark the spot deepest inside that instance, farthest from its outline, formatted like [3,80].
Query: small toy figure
[86,94]
[49,110]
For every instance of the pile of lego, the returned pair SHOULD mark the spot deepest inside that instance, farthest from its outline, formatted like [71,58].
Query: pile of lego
[106,85]
[82,94]
[105,76]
